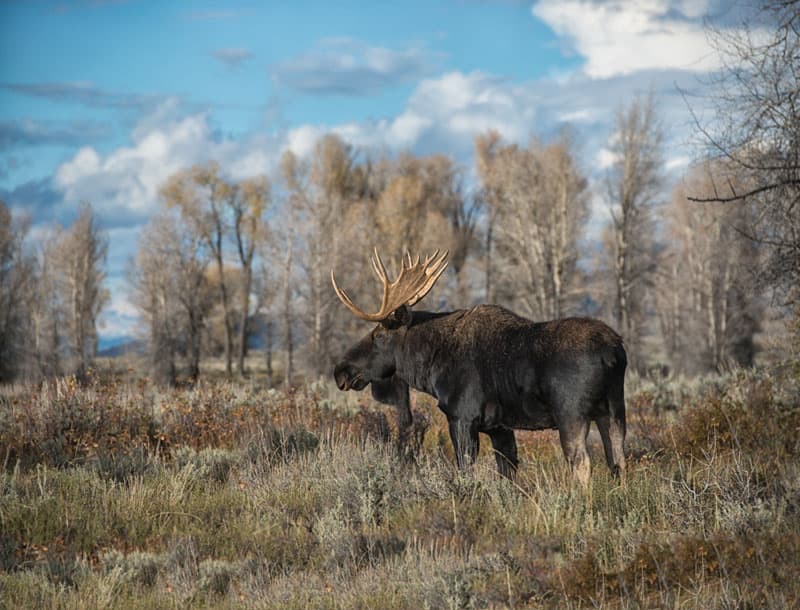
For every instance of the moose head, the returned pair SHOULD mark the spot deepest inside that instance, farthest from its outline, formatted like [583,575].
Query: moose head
[373,359]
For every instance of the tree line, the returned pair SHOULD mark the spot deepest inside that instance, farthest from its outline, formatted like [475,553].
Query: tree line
[51,294]
[688,276]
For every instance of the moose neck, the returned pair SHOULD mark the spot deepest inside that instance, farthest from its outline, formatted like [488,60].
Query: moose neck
[426,342]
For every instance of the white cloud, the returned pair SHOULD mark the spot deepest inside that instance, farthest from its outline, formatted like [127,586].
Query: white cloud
[407,128]
[463,105]
[85,163]
[677,163]
[620,37]
[343,66]
[124,184]
[301,140]
[444,114]
[605,159]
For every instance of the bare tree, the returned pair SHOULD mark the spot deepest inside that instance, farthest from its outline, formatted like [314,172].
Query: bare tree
[540,205]
[172,291]
[321,189]
[155,295]
[288,168]
[633,185]
[488,147]
[16,288]
[194,294]
[756,129]
[79,259]
[708,308]
[265,283]
[288,311]
[202,195]
[249,230]
[46,310]
[446,200]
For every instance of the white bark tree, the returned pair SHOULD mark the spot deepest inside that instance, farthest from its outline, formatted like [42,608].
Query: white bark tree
[708,306]
[80,258]
[634,185]
[539,200]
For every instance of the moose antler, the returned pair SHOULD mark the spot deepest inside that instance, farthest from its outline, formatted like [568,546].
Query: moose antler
[414,282]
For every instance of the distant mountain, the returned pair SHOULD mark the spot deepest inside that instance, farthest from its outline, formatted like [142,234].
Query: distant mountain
[112,347]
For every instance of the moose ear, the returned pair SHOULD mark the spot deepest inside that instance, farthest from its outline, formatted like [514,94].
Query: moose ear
[399,317]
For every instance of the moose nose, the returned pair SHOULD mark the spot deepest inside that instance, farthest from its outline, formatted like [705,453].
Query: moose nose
[340,376]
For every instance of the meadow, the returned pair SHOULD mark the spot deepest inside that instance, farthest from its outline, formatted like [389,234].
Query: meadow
[232,495]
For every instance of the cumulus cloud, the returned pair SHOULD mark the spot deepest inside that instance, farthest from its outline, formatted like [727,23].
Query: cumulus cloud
[343,66]
[443,114]
[123,185]
[618,37]
[457,106]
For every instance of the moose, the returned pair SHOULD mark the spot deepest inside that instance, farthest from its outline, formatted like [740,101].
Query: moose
[491,370]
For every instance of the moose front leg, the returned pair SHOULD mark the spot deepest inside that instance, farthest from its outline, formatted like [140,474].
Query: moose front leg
[505,451]
[394,391]
[464,435]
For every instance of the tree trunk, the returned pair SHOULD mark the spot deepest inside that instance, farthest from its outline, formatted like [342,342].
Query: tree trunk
[268,330]
[248,280]
[194,347]
[223,289]
[287,312]
[489,286]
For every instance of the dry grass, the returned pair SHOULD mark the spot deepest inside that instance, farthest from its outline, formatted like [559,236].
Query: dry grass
[120,495]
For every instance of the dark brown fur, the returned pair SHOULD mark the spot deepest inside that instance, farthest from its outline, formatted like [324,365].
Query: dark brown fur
[493,371]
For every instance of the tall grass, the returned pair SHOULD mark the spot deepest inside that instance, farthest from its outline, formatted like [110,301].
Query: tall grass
[120,495]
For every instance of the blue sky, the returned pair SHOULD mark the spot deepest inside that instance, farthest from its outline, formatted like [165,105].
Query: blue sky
[103,99]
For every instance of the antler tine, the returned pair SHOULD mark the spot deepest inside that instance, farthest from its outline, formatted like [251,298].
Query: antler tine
[377,264]
[348,302]
[431,257]
[413,282]
[434,268]
[380,269]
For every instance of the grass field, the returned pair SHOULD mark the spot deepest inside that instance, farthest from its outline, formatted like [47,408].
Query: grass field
[230,495]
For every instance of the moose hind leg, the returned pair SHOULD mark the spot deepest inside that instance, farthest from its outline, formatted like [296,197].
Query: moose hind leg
[572,434]
[505,451]
[464,435]
[612,432]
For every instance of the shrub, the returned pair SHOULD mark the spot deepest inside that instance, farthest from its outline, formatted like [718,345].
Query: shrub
[745,415]
[136,568]
[208,464]
[215,576]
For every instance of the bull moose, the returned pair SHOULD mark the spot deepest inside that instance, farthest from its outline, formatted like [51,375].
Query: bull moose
[491,370]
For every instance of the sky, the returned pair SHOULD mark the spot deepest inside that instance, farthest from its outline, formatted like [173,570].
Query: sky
[102,100]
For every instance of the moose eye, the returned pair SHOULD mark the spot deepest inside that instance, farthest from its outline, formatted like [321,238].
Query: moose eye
[380,335]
